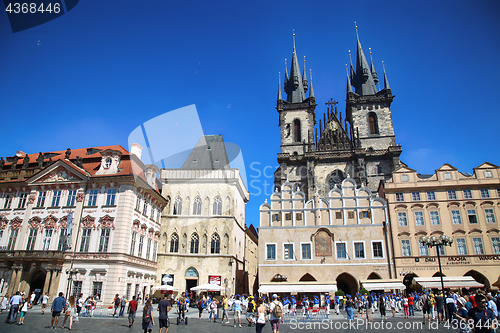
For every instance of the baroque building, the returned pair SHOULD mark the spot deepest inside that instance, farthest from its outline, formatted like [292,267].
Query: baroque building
[203,231]
[84,220]
[361,144]
[463,206]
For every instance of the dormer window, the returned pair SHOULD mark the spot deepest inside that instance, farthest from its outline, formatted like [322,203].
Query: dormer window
[107,163]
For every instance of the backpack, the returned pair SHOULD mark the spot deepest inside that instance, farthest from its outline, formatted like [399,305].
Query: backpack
[277,311]
[117,301]
[250,307]
[425,301]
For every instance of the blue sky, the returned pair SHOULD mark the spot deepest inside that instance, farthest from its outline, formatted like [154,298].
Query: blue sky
[92,76]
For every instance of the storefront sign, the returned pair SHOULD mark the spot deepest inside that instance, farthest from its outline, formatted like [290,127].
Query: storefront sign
[167,279]
[214,279]
[496,258]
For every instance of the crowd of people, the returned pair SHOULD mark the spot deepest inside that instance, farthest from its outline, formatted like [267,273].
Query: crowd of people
[466,310]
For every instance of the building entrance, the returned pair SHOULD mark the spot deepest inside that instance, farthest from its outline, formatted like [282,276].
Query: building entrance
[36,284]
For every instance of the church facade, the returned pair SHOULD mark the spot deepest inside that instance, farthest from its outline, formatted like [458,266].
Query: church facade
[325,228]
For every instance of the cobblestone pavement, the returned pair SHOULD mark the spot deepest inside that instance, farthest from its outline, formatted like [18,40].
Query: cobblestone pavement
[35,322]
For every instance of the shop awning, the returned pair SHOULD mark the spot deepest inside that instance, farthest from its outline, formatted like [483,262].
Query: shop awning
[449,282]
[166,288]
[383,284]
[297,288]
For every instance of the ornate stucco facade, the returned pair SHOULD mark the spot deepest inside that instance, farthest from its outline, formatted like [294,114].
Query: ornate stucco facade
[203,227]
[459,205]
[91,194]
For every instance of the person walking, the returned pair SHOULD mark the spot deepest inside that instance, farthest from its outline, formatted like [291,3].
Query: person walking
[200,307]
[69,312]
[237,310]
[406,307]
[348,308]
[79,306]
[32,299]
[381,305]
[410,305]
[24,310]
[164,307]
[132,309]
[116,303]
[4,302]
[123,305]
[14,303]
[45,301]
[261,316]
[57,306]
[276,313]
[147,317]
[393,306]
[481,315]
[426,306]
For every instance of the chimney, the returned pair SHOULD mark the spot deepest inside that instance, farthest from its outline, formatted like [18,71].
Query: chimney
[136,149]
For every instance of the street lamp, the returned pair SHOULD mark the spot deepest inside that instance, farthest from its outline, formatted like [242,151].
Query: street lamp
[433,241]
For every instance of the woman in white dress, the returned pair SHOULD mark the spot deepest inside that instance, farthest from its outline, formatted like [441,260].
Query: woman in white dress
[4,302]
[70,311]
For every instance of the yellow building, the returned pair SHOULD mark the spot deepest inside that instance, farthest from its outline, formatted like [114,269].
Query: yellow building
[324,244]
[458,205]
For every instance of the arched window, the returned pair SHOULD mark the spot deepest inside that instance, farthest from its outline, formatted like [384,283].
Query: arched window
[177,206]
[372,119]
[296,130]
[217,206]
[197,206]
[174,243]
[195,243]
[215,244]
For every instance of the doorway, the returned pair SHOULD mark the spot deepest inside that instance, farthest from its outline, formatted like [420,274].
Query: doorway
[37,283]
[190,284]
[347,283]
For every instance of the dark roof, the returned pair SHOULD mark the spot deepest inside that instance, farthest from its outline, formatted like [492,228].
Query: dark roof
[209,154]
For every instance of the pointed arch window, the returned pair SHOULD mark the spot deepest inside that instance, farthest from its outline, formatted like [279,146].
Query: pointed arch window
[195,243]
[296,130]
[197,206]
[373,122]
[174,243]
[217,206]
[177,206]
[215,244]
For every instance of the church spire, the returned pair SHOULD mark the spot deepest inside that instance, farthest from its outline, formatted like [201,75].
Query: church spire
[304,76]
[349,88]
[294,87]
[311,91]
[386,82]
[372,68]
[363,80]
[280,96]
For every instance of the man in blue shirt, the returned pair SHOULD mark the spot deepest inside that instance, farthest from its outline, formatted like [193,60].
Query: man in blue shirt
[57,306]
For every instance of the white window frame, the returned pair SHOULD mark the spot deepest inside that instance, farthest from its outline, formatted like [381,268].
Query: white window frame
[293,251]
[70,201]
[421,213]
[495,245]
[452,195]
[400,216]
[311,247]
[111,196]
[92,197]
[415,196]
[453,219]
[431,195]
[420,248]
[438,219]
[490,217]
[46,239]
[480,243]
[23,198]
[400,196]
[485,193]
[275,251]
[383,252]
[346,250]
[464,246]
[467,194]
[354,249]
[42,196]
[8,201]
[56,198]
[409,245]
[472,212]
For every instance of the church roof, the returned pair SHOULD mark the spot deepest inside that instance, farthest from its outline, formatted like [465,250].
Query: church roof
[208,154]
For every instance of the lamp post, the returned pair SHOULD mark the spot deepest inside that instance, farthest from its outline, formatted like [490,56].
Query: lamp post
[433,241]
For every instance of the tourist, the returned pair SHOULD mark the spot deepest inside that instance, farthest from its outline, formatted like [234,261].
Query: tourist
[32,299]
[14,303]
[426,306]
[4,302]
[24,310]
[261,316]
[57,306]
[45,301]
[451,306]
[406,307]
[213,309]
[481,315]
[393,306]
[251,307]
[492,305]
[132,309]
[116,303]
[461,314]
[237,310]
[79,306]
[70,310]
[410,305]
[164,307]
[440,307]
[123,305]
[200,307]
[348,308]
[381,305]
[276,313]
[147,317]
[182,305]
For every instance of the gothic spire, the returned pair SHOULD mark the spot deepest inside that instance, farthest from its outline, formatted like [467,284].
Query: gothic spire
[372,68]
[280,96]
[386,82]
[311,91]
[304,76]
[349,88]
[294,87]
[363,80]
